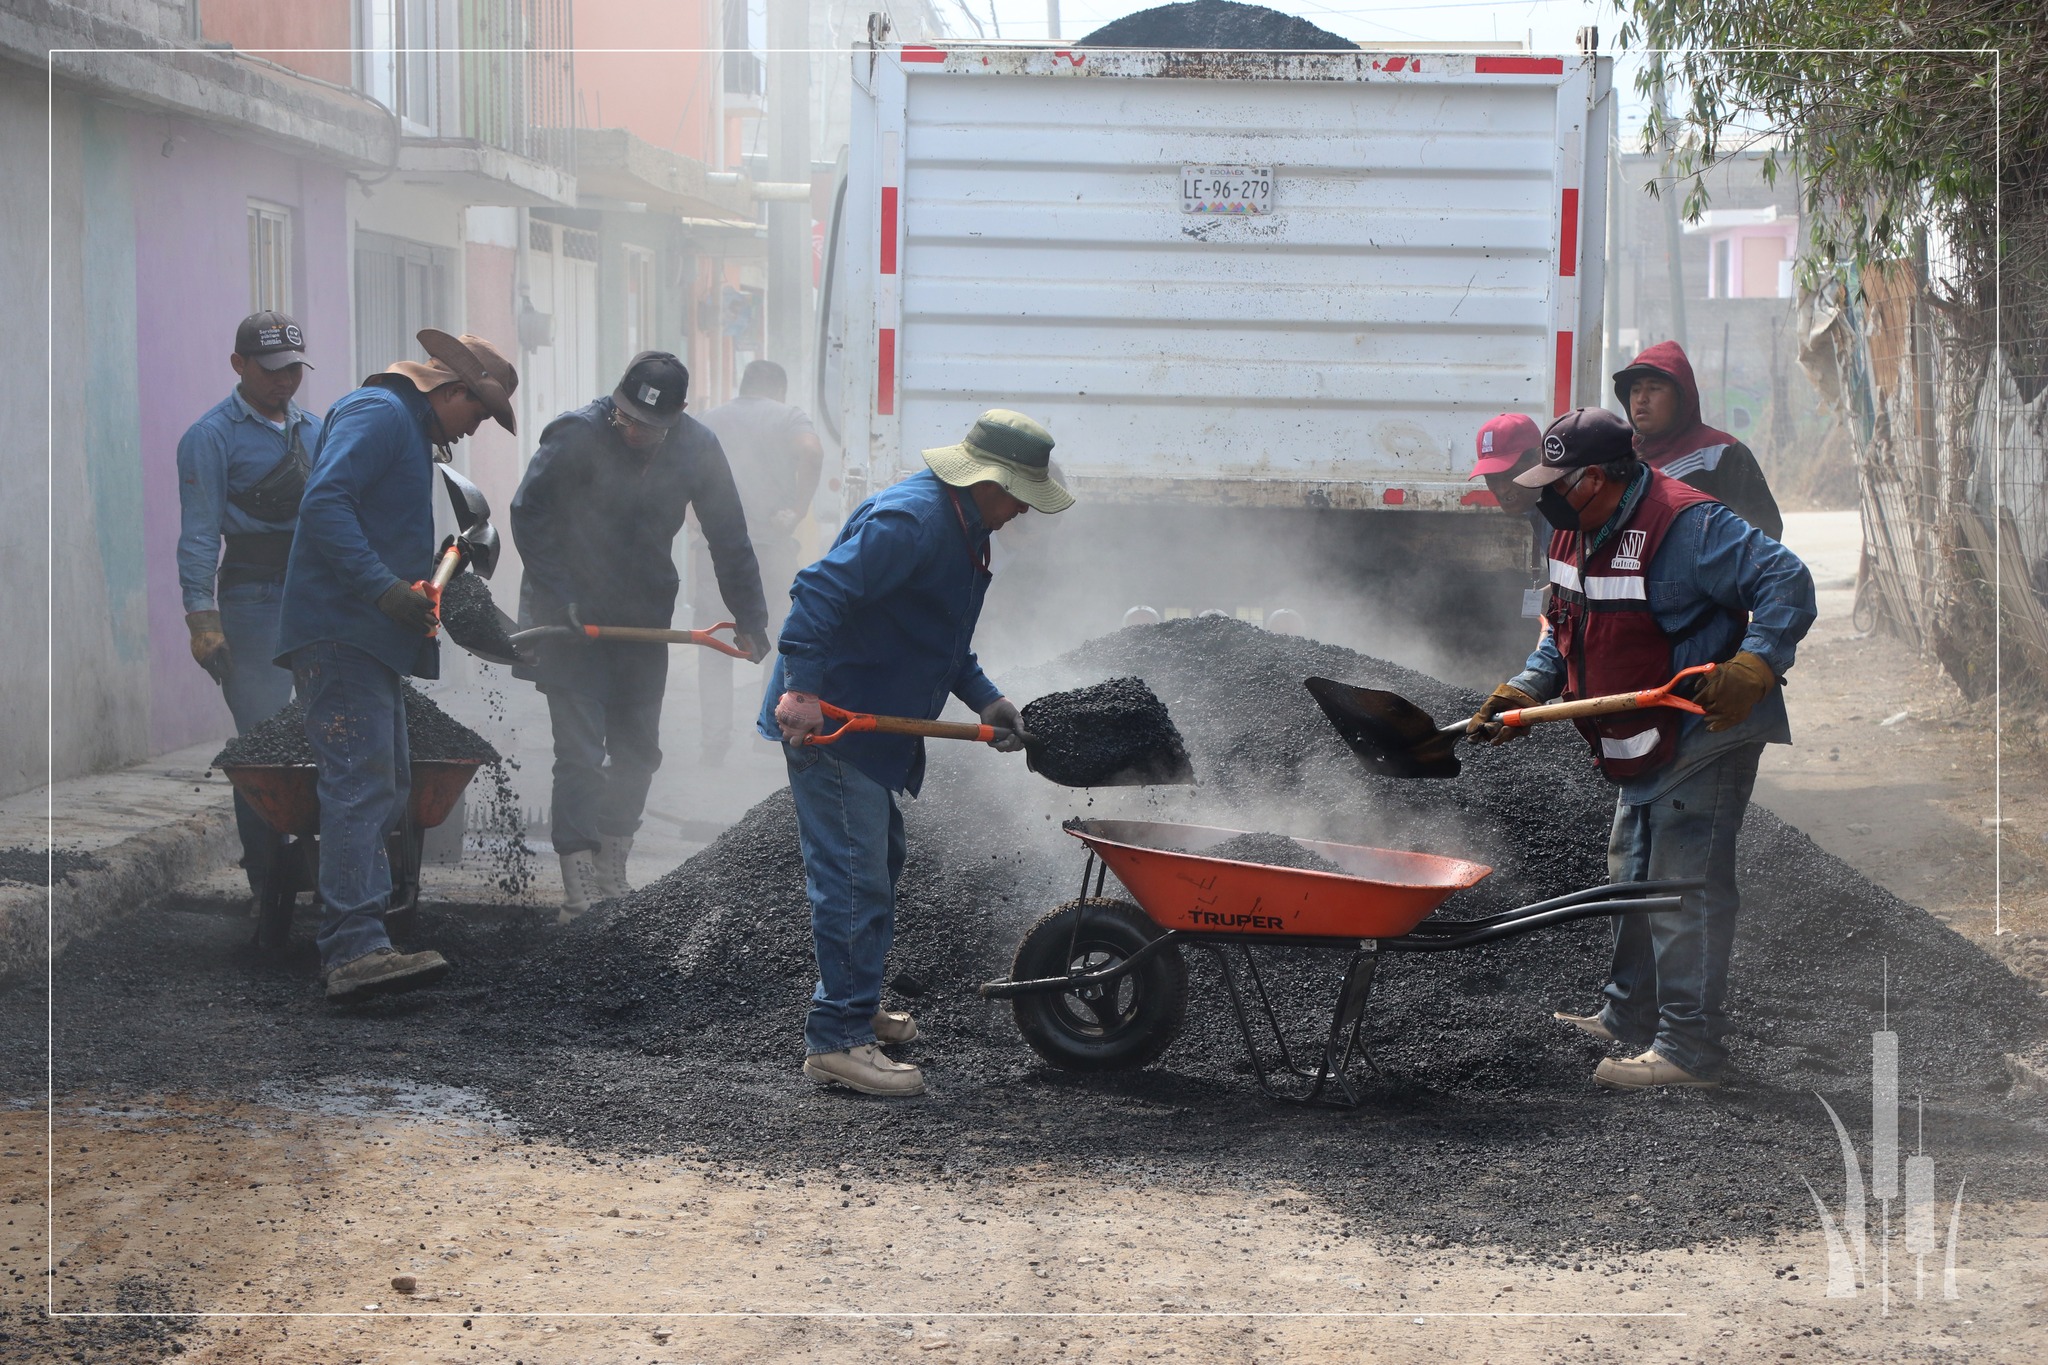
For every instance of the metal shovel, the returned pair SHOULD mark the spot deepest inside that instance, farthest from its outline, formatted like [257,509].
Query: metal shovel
[1397,738]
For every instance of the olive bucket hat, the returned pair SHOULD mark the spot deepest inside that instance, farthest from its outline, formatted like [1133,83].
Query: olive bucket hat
[1009,449]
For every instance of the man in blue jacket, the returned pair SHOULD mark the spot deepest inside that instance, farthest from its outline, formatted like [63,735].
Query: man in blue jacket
[884,623]
[353,626]
[1650,576]
[241,471]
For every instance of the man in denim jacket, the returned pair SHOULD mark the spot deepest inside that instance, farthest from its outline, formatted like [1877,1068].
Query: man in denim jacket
[884,623]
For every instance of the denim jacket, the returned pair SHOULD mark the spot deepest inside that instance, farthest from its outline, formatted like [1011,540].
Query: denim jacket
[1712,563]
[367,522]
[229,449]
[885,622]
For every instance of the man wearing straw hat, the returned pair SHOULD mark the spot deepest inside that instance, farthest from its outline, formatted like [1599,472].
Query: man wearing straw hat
[884,623]
[353,625]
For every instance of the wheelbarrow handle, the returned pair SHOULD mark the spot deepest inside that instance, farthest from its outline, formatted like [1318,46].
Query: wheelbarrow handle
[860,722]
[1608,706]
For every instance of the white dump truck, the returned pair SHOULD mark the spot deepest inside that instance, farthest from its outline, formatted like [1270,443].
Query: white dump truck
[1264,301]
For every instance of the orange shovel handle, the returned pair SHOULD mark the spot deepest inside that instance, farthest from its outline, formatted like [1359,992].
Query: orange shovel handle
[860,722]
[1586,707]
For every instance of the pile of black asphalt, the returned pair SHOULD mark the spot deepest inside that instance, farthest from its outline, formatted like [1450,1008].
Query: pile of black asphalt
[670,1021]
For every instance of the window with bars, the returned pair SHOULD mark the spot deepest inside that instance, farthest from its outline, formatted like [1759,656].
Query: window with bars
[401,286]
[579,245]
[270,257]
[396,61]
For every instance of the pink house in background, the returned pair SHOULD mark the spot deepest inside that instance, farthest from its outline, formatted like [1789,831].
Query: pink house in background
[1749,252]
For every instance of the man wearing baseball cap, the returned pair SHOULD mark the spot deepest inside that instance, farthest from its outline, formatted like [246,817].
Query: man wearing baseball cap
[1648,577]
[353,626]
[241,471]
[595,520]
[884,623]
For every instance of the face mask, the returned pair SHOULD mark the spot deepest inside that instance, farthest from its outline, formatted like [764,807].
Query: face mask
[1557,509]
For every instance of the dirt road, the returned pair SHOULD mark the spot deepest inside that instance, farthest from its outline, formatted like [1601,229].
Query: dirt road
[285,1213]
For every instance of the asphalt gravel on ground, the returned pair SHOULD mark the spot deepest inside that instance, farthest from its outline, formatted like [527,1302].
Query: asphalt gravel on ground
[671,1020]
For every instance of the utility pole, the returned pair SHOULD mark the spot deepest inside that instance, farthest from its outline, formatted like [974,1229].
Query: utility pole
[1674,237]
[1052,19]
[787,327]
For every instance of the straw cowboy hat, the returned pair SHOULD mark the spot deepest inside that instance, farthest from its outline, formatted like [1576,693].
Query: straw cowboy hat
[1004,448]
[465,360]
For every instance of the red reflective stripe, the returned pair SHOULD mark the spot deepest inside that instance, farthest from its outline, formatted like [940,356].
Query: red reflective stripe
[1518,66]
[1561,396]
[1479,497]
[888,229]
[1568,235]
[1394,497]
[933,54]
[885,371]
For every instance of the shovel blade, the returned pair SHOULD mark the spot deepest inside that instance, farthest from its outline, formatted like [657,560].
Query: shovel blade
[465,499]
[1164,767]
[1114,734]
[1392,735]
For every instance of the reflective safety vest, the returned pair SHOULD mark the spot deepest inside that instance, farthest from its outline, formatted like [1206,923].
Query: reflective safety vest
[1607,635]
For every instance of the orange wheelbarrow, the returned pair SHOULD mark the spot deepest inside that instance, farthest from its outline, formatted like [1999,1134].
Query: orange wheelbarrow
[287,796]
[1098,984]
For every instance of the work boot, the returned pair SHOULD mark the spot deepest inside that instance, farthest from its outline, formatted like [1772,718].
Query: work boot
[894,1026]
[612,852]
[579,884]
[383,971]
[1587,1023]
[1645,1071]
[865,1069]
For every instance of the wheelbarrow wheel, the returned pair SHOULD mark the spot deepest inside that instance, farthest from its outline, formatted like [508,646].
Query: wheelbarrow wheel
[1116,1025]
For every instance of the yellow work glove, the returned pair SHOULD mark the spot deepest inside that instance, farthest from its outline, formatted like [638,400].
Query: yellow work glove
[1504,698]
[209,642]
[1733,689]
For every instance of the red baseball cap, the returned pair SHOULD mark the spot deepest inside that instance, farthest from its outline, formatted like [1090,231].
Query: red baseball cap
[1503,442]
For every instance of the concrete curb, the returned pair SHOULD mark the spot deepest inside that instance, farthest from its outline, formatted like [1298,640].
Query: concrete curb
[138,870]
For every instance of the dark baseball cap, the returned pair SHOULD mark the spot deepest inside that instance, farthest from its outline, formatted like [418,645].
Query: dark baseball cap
[272,340]
[1582,437]
[653,389]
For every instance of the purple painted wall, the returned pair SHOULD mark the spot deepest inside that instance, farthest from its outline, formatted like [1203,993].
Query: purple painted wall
[192,287]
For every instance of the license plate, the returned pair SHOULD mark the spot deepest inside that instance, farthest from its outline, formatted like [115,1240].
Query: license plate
[1226,190]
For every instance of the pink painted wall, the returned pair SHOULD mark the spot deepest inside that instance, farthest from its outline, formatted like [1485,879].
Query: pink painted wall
[192,288]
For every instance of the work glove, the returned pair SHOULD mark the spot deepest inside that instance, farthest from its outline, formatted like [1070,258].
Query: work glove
[798,714]
[1506,697]
[409,607]
[1002,713]
[209,643]
[755,645]
[1733,689]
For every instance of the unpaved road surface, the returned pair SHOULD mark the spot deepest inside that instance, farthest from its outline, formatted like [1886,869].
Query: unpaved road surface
[283,1212]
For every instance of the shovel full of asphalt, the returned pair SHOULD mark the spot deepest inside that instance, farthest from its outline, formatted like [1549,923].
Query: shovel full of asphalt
[1114,734]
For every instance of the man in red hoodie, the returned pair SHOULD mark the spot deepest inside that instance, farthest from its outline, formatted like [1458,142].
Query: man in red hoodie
[1663,405]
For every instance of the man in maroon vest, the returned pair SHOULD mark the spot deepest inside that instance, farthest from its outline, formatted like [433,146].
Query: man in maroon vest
[1649,576]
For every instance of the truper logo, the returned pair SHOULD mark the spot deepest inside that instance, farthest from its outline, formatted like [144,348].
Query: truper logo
[1849,1254]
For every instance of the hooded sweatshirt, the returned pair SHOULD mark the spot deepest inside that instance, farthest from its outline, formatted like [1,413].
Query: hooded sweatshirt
[1694,453]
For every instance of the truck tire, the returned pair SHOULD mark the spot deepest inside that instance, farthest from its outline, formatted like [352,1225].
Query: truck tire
[1119,1025]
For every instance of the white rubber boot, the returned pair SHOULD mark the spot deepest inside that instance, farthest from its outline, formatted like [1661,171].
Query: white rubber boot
[612,853]
[579,884]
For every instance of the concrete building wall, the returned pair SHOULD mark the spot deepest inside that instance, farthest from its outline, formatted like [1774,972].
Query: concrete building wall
[190,269]
[25,551]
[669,99]
[284,31]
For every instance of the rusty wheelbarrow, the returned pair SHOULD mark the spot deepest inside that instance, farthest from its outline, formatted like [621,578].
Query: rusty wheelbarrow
[287,796]
[1098,984]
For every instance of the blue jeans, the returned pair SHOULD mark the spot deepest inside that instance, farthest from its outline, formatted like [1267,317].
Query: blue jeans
[1668,986]
[595,798]
[355,718]
[852,839]
[255,690]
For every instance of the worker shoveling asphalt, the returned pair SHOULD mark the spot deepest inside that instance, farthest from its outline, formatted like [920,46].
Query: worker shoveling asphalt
[1114,734]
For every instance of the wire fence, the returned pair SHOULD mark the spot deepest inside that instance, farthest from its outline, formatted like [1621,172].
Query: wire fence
[1951,450]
